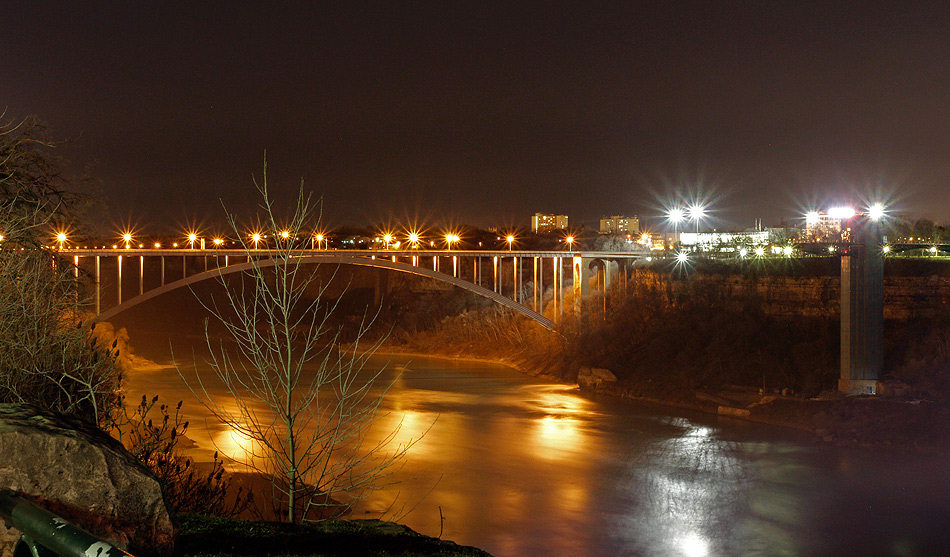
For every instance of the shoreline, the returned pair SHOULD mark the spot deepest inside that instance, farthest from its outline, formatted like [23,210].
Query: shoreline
[840,421]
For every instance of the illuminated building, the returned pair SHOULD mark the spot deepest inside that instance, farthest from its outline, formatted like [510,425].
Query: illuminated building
[620,225]
[821,226]
[541,223]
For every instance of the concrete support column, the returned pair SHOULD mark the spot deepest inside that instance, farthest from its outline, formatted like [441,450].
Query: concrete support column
[98,288]
[515,279]
[119,284]
[560,285]
[611,274]
[862,310]
[582,274]
[534,276]
[495,271]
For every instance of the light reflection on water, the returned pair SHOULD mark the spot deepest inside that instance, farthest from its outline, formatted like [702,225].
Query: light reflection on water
[523,467]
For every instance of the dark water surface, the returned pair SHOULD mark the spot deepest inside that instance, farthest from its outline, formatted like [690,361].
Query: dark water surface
[520,466]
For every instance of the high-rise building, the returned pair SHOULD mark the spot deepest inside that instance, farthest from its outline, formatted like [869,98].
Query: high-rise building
[541,223]
[620,225]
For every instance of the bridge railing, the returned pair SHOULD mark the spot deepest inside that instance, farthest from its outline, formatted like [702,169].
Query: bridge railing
[44,533]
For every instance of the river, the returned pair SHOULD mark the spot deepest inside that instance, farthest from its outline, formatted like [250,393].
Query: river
[519,466]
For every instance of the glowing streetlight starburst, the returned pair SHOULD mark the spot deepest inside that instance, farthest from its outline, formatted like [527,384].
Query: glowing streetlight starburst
[696,214]
[876,211]
[451,238]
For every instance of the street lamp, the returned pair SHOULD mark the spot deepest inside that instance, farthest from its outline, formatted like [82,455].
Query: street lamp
[191,239]
[696,213]
[218,242]
[450,239]
[256,238]
[127,238]
[675,215]
[319,238]
[413,240]
[510,239]
[387,238]
[570,243]
[61,238]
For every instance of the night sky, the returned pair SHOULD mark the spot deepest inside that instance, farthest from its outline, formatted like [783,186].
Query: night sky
[485,113]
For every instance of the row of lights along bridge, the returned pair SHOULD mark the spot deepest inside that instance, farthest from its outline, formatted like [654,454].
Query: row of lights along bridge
[319,241]
[414,240]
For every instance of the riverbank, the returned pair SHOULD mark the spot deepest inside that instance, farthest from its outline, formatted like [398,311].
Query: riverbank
[856,421]
[218,537]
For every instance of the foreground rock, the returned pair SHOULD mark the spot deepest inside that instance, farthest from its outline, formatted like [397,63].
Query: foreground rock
[76,471]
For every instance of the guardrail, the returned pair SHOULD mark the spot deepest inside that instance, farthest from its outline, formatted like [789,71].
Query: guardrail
[45,534]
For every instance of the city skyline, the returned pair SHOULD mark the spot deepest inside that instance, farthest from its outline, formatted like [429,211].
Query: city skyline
[485,114]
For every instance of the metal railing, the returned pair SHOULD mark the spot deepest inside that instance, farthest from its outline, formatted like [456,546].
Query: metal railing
[45,534]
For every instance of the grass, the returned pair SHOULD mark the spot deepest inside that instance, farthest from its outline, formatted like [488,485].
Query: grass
[207,536]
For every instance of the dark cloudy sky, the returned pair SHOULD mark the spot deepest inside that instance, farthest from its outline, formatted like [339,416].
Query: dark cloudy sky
[485,113]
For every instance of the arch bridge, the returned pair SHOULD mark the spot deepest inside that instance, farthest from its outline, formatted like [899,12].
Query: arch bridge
[515,279]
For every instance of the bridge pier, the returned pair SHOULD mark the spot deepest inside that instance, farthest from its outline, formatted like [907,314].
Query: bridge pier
[862,310]
[98,288]
[581,276]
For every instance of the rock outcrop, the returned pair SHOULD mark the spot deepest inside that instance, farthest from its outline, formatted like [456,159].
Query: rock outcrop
[78,472]
[595,378]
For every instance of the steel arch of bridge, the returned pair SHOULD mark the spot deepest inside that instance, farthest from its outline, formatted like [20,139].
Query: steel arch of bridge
[331,260]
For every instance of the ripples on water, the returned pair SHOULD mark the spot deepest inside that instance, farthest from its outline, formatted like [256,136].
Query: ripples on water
[523,467]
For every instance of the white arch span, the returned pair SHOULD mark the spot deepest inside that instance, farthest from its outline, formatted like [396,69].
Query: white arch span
[332,260]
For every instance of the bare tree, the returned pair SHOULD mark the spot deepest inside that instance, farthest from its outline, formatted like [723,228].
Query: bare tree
[304,399]
[47,356]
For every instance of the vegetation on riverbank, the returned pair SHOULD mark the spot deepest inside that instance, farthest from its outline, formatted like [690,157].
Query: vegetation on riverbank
[219,537]
[669,335]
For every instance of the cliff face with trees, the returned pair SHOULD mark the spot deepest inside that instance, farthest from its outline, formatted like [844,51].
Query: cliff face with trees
[669,331]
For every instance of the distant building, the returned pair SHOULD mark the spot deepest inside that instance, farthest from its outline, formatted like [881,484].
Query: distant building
[756,237]
[735,241]
[541,223]
[620,225]
[825,227]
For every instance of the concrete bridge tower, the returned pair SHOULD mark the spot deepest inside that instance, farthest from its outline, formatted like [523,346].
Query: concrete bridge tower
[862,308]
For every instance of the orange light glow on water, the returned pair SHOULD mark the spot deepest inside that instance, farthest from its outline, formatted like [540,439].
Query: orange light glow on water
[235,445]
